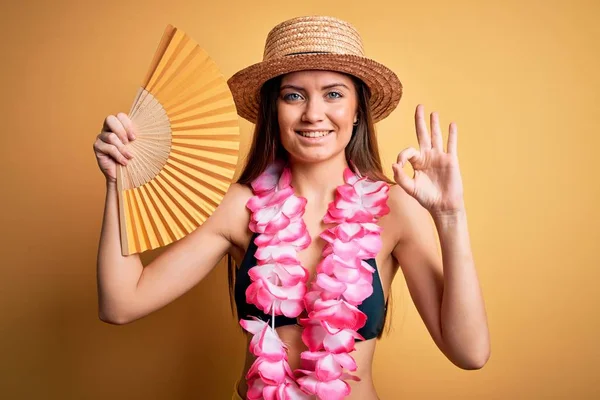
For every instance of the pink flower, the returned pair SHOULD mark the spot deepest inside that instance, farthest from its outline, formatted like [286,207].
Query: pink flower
[294,234]
[339,314]
[353,292]
[265,342]
[288,273]
[283,253]
[286,391]
[351,240]
[329,365]
[271,372]
[272,212]
[255,388]
[360,200]
[266,295]
[316,337]
[267,181]
[331,390]
[345,270]
[345,232]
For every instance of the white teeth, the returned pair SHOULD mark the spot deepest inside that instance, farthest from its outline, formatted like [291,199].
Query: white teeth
[313,134]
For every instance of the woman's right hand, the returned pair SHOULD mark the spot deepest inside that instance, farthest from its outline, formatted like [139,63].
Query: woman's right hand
[110,145]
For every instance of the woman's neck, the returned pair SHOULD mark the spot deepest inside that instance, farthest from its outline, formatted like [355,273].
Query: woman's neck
[317,181]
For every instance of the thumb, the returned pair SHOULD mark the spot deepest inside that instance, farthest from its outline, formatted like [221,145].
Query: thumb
[402,179]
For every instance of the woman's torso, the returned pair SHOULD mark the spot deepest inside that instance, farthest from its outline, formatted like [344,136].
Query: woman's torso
[309,258]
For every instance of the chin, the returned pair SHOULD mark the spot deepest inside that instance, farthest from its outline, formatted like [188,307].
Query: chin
[312,158]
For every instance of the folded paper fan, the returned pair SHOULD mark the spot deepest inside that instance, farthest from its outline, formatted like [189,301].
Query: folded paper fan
[186,147]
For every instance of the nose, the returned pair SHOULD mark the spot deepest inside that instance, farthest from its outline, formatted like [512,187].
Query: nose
[314,110]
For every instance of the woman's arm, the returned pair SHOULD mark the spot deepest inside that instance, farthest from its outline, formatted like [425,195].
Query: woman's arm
[116,275]
[128,291]
[464,321]
[445,289]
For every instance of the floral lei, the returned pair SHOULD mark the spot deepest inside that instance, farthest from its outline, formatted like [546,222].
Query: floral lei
[279,284]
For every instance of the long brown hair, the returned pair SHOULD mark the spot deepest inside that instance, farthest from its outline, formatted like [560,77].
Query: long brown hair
[362,150]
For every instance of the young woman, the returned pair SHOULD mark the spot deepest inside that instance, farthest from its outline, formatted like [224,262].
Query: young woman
[316,230]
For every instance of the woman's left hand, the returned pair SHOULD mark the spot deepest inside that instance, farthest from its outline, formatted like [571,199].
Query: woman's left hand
[436,184]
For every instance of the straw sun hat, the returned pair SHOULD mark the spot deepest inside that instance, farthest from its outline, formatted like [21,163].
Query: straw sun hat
[315,43]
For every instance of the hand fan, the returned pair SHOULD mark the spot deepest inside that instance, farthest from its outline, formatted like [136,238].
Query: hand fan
[186,147]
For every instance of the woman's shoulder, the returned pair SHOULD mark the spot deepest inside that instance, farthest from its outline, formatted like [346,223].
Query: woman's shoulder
[239,192]
[236,216]
[234,201]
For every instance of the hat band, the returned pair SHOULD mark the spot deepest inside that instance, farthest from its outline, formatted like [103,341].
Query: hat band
[309,52]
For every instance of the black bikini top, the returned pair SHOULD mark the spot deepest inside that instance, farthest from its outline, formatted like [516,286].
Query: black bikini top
[373,306]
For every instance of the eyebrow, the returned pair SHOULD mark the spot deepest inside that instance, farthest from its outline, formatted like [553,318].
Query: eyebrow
[323,88]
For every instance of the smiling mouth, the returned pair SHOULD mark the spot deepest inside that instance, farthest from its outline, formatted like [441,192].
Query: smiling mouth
[316,134]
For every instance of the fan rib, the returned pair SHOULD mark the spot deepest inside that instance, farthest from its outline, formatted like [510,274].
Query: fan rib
[174,218]
[145,218]
[160,52]
[199,169]
[155,85]
[165,225]
[215,189]
[229,152]
[152,237]
[148,149]
[215,83]
[186,197]
[132,219]
[213,161]
[209,125]
[192,77]
[224,138]
[217,111]
[152,115]
[178,73]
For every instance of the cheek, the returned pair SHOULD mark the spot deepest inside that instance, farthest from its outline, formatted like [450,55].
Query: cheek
[342,117]
[286,122]
[342,113]
[285,118]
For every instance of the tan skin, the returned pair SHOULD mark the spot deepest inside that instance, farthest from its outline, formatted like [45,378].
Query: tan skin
[128,291]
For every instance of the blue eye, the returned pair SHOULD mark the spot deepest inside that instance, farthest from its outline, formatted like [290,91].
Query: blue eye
[287,96]
[339,95]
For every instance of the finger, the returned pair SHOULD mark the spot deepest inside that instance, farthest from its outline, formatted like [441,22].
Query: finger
[422,132]
[436,132]
[409,154]
[453,139]
[127,124]
[113,124]
[112,139]
[111,150]
[402,179]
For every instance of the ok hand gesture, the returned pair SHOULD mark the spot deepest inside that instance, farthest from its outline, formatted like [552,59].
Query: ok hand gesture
[436,184]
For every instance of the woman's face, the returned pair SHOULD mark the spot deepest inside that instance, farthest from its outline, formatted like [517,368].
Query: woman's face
[316,110]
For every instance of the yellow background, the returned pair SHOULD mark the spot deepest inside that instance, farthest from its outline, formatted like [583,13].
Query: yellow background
[520,78]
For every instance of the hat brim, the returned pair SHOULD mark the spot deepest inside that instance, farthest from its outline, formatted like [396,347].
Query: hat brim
[385,87]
